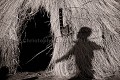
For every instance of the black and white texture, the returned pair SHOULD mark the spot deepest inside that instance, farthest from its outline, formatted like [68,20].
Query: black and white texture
[85,38]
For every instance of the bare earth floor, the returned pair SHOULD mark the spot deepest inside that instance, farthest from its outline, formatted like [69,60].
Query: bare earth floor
[44,76]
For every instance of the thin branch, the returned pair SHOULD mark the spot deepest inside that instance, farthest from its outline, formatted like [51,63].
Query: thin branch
[39,53]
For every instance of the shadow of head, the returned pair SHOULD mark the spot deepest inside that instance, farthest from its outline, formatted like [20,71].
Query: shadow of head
[84,32]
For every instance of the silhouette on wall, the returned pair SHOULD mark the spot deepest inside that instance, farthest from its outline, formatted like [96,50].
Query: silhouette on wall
[83,52]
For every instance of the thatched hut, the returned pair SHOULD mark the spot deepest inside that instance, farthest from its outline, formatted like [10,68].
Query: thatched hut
[86,35]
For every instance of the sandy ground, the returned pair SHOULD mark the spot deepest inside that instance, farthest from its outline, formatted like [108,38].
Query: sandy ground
[44,76]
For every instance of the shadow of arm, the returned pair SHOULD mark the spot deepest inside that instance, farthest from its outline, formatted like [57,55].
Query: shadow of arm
[64,57]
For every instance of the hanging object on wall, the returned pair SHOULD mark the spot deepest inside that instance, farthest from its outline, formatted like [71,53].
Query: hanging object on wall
[65,30]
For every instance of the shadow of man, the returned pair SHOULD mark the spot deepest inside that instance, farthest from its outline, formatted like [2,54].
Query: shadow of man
[83,52]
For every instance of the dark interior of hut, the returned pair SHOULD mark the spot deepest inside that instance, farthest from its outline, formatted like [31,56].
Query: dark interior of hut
[36,38]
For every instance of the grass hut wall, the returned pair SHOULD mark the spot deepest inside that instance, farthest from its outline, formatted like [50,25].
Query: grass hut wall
[86,35]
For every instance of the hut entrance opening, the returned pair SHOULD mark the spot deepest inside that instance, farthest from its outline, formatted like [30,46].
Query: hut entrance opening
[36,39]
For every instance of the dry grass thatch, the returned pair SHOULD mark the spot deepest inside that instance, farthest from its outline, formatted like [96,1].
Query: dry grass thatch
[101,16]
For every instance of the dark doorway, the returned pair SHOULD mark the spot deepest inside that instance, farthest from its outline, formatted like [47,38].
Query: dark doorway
[35,38]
